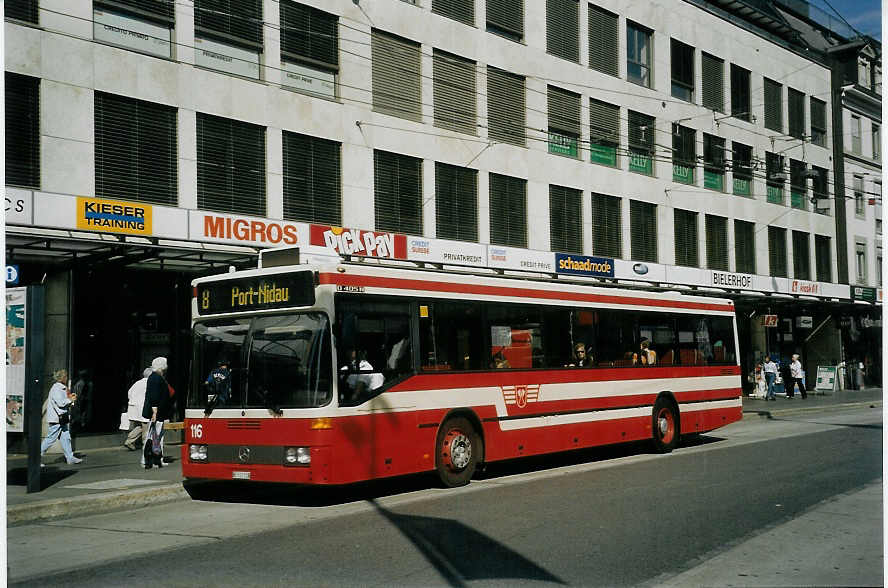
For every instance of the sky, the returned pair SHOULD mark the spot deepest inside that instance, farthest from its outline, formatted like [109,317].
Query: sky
[863,15]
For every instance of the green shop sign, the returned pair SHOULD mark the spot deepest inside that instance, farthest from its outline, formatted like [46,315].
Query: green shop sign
[641,162]
[797,199]
[863,293]
[741,187]
[562,144]
[682,173]
[713,180]
[603,154]
[775,195]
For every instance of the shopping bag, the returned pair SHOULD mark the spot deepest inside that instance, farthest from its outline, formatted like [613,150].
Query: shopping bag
[124,422]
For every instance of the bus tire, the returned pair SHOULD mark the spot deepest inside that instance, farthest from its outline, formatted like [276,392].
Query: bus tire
[456,452]
[665,425]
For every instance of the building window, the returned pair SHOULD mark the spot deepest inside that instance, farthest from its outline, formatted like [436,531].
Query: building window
[859,199]
[684,154]
[398,192]
[506,18]
[604,132]
[638,54]
[563,29]
[505,107]
[24,10]
[565,219]
[823,258]
[740,106]
[643,228]
[741,165]
[309,48]
[454,92]
[860,256]
[716,242]
[396,76]
[801,255]
[798,184]
[713,162]
[796,112]
[820,189]
[230,165]
[312,179]
[228,35]
[877,142]
[136,151]
[773,106]
[744,246]
[22,130]
[777,251]
[686,238]
[776,177]
[456,202]
[607,226]
[604,41]
[818,122]
[855,135]
[564,122]
[713,83]
[682,71]
[460,10]
[508,211]
[641,143]
[863,73]
[135,24]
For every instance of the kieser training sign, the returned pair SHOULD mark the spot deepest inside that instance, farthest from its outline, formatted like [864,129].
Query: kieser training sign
[113,216]
[581,265]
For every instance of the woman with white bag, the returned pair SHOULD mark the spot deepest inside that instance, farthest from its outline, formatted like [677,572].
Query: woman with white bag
[138,424]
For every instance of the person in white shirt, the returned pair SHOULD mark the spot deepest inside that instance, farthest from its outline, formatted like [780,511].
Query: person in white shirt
[795,371]
[770,370]
[361,377]
[58,417]
[135,402]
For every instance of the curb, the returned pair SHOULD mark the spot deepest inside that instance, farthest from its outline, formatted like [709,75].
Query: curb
[58,508]
[813,407]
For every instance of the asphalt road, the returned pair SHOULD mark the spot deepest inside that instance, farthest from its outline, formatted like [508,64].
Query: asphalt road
[606,517]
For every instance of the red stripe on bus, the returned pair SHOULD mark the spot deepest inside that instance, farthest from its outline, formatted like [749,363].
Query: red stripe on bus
[458,288]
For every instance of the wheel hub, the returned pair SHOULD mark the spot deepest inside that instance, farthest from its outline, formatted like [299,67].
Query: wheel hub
[664,425]
[459,449]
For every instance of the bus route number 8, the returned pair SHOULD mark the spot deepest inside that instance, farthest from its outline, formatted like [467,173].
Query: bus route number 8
[205,299]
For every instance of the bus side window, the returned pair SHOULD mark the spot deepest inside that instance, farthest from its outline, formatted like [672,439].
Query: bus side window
[450,335]
[515,333]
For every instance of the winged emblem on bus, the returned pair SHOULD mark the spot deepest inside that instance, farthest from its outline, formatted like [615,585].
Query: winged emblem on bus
[521,394]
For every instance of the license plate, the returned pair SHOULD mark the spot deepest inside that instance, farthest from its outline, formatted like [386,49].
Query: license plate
[240,475]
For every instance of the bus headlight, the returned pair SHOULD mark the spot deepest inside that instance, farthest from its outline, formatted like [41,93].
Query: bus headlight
[198,452]
[297,456]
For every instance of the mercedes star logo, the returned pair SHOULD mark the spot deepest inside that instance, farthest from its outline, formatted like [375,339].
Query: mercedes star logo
[243,454]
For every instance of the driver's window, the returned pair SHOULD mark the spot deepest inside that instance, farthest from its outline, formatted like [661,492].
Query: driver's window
[373,347]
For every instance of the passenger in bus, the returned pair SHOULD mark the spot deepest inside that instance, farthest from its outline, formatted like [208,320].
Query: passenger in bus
[580,358]
[646,355]
[360,379]
[218,385]
[499,361]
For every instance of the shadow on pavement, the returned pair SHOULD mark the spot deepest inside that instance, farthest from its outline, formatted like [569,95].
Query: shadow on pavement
[48,476]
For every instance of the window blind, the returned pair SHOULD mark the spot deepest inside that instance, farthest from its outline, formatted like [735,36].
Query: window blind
[713,82]
[309,34]
[565,219]
[160,10]
[777,251]
[604,41]
[818,122]
[563,29]
[24,10]
[823,258]
[506,17]
[773,106]
[456,202]
[230,165]
[396,76]
[607,225]
[686,238]
[744,246]
[505,107]
[460,10]
[564,112]
[454,92]
[508,211]
[398,192]
[22,95]
[136,152]
[801,255]
[231,21]
[604,122]
[796,108]
[716,242]
[740,93]
[312,179]
[643,225]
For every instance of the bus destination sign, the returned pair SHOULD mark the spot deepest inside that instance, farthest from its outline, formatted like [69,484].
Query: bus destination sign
[256,293]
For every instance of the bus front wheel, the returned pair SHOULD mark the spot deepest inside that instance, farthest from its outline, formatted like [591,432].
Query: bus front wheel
[456,452]
[665,425]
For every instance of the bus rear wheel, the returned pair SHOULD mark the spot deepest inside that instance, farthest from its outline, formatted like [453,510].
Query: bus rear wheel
[665,425]
[456,452]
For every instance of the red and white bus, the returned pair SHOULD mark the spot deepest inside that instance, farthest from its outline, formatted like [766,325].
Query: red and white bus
[340,372]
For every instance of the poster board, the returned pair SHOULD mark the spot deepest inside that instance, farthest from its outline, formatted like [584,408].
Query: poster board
[826,378]
[15,359]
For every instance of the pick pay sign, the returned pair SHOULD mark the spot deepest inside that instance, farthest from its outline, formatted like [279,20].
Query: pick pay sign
[359,242]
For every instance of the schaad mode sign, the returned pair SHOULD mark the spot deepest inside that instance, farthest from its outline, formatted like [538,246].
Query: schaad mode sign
[357,242]
[581,265]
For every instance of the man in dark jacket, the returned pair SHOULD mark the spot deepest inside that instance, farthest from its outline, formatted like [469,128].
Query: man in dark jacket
[158,404]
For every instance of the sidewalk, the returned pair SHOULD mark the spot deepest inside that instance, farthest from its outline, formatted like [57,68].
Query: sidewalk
[112,479]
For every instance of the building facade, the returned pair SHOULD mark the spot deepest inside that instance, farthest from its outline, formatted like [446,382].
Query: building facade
[669,144]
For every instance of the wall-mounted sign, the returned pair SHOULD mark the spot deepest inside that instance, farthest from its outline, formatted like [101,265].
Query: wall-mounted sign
[19,207]
[804,287]
[113,216]
[769,320]
[863,293]
[804,322]
[308,79]
[357,242]
[446,252]
[582,265]
[240,230]
[520,259]
[12,275]
[134,33]
[227,58]
[732,280]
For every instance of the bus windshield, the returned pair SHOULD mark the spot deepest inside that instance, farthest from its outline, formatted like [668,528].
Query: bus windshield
[273,362]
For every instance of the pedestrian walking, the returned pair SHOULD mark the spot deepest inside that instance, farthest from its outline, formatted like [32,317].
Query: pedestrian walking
[58,418]
[795,371]
[770,370]
[138,425]
[81,411]
[158,404]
